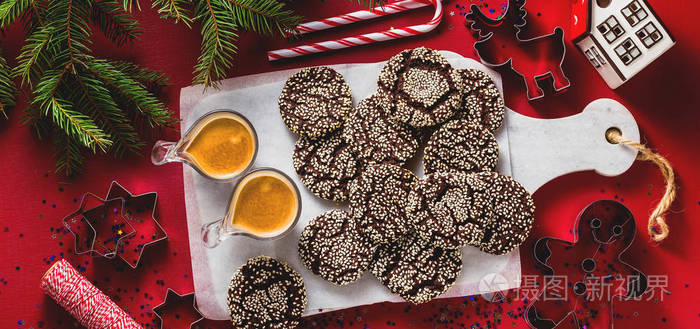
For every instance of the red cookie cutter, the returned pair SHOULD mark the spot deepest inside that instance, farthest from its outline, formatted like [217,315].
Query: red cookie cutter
[532,59]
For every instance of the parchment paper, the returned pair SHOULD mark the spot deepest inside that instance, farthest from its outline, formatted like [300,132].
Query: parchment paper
[255,97]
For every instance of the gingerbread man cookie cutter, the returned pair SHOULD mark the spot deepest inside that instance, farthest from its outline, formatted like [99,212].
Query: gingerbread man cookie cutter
[591,267]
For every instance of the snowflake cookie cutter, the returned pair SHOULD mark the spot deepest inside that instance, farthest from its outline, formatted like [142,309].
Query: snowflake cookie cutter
[508,27]
[605,230]
[91,222]
[171,294]
[140,212]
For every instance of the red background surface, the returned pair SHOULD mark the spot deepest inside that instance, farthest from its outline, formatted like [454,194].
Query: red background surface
[664,99]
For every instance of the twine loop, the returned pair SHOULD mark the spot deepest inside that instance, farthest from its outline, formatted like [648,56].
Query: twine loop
[657,227]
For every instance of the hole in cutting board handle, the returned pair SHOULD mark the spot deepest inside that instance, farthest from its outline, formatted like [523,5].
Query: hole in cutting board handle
[612,131]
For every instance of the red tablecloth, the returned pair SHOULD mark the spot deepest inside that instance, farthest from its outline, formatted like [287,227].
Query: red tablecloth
[664,98]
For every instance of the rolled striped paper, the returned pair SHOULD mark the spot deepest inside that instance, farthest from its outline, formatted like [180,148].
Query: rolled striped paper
[87,304]
[363,39]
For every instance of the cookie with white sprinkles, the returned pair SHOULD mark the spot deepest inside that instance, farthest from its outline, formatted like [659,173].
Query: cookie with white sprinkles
[513,214]
[424,87]
[266,293]
[450,209]
[376,137]
[315,101]
[462,146]
[481,101]
[415,270]
[326,165]
[331,247]
[378,202]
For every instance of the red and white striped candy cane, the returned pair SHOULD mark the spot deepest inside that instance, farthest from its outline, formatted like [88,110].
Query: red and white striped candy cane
[363,39]
[362,15]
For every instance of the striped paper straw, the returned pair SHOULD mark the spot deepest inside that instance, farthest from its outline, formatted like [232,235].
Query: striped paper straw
[362,15]
[363,39]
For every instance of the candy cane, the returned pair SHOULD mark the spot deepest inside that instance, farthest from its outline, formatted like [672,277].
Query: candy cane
[364,38]
[362,15]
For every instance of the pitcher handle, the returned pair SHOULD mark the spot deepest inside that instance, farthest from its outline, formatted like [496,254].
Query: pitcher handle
[163,152]
[213,233]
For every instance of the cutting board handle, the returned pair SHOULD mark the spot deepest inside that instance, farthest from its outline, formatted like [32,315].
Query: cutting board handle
[544,149]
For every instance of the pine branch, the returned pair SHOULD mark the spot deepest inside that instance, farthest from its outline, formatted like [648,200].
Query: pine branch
[70,30]
[93,96]
[218,41]
[116,24]
[128,5]
[34,18]
[10,10]
[264,17]
[178,10]
[149,78]
[73,123]
[68,154]
[80,101]
[34,57]
[131,92]
[7,88]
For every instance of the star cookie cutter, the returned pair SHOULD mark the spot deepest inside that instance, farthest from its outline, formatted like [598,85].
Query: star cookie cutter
[139,211]
[492,50]
[98,226]
[591,267]
[158,309]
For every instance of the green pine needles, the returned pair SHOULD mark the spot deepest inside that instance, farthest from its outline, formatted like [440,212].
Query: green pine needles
[82,102]
[7,88]
[220,22]
[89,104]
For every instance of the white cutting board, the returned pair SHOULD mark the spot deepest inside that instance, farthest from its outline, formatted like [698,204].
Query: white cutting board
[533,151]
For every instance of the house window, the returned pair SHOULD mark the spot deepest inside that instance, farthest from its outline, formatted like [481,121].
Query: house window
[627,51]
[611,29]
[634,13]
[649,35]
[598,56]
[594,57]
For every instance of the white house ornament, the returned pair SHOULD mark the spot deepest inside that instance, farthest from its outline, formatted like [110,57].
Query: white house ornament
[619,37]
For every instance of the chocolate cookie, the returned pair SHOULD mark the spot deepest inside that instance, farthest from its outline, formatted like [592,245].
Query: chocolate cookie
[461,146]
[378,202]
[449,209]
[315,101]
[481,101]
[513,214]
[266,293]
[376,137]
[415,270]
[423,86]
[326,165]
[331,247]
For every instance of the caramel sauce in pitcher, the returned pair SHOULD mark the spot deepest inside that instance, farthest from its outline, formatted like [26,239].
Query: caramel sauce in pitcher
[223,147]
[264,204]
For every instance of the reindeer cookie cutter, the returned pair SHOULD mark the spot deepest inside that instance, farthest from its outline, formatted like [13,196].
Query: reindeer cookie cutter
[515,14]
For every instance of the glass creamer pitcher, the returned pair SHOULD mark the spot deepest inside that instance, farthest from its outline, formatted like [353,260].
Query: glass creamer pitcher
[221,145]
[265,205]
